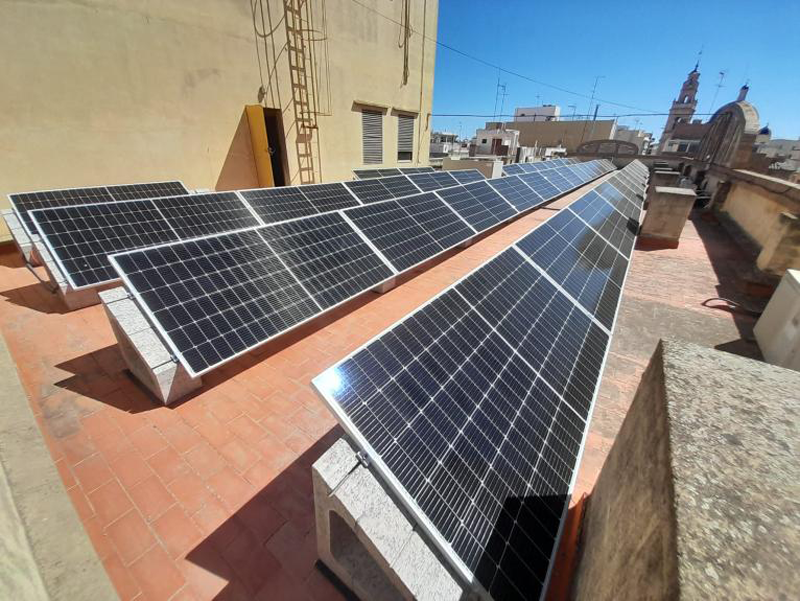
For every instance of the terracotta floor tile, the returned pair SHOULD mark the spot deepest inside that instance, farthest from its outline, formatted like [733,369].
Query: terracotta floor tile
[320,588]
[299,441]
[130,468]
[168,464]
[246,429]
[151,497]
[277,425]
[205,460]
[238,455]
[205,571]
[217,525]
[177,532]
[147,440]
[126,586]
[100,541]
[190,491]
[110,502]
[186,594]
[182,437]
[65,472]
[131,537]
[294,549]
[156,574]
[260,518]
[77,447]
[251,562]
[224,410]
[213,430]
[231,488]
[261,474]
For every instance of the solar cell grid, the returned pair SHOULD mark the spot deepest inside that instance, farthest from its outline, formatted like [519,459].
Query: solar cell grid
[278,204]
[402,240]
[25,202]
[513,169]
[540,185]
[478,203]
[428,182]
[612,225]
[574,256]
[568,174]
[373,173]
[515,191]
[214,298]
[328,197]
[147,190]
[198,215]
[80,237]
[327,256]
[437,219]
[376,190]
[467,175]
[557,180]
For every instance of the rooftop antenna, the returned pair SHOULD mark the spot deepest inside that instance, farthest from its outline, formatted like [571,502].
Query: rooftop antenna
[502,99]
[699,56]
[719,85]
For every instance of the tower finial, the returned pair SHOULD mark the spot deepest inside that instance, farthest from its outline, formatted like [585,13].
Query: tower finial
[699,56]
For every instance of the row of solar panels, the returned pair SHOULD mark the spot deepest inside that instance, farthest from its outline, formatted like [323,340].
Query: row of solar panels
[474,409]
[217,297]
[373,173]
[520,168]
[80,237]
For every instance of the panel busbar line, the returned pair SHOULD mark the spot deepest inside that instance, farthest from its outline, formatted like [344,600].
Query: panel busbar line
[474,409]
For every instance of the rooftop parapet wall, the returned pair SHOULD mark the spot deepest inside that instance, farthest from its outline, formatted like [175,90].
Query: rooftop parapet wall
[698,496]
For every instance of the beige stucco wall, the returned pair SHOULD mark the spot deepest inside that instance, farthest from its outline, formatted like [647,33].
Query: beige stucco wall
[754,209]
[569,133]
[112,91]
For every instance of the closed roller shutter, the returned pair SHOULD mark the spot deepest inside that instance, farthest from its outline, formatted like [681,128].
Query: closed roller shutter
[372,136]
[405,137]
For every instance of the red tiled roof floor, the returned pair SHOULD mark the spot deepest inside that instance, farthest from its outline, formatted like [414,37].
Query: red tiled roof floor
[212,497]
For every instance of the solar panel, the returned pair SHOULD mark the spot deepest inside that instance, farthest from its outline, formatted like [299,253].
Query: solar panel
[214,298]
[203,214]
[436,218]
[515,191]
[540,185]
[618,200]
[557,180]
[568,174]
[28,201]
[478,204]
[433,181]
[80,237]
[410,170]
[478,440]
[278,204]
[385,188]
[147,190]
[467,175]
[328,197]
[513,169]
[328,257]
[587,267]
[373,173]
[400,238]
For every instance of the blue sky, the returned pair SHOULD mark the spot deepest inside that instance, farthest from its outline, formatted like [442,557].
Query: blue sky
[644,49]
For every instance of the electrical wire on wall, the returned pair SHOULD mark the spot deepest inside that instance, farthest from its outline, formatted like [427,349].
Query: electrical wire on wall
[257,12]
[405,36]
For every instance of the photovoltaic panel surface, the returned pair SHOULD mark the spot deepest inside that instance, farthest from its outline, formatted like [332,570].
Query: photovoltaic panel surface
[474,408]
[437,219]
[25,202]
[613,226]
[466,176]
[373,173]
[433,181]
[478,203]
[81,237]
[410,170]
[327,256]
[557,180]
[279,204]
[198,215]
[541,185]
[515,191]
[147,190]
[513,169]
[385,188]
[328,197]
[216,297]
[395,233]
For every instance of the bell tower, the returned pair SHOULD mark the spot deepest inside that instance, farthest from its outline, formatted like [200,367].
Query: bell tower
[683,106]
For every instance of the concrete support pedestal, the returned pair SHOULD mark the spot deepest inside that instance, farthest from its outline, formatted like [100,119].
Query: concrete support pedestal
[72,299]
[386,286]
[146,355]
[663,223]
[698,497]
[367,541]
[25,245]
[666,178]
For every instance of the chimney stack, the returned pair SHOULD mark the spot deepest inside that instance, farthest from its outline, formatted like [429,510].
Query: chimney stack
[743,92]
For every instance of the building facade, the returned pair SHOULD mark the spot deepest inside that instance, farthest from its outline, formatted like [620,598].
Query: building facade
[499,142]
[682,109]
[546,112]
[639,137]
[117,92]
[567,134]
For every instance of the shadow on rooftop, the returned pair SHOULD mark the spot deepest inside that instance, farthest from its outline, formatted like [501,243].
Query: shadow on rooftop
[35,297]
[267,548]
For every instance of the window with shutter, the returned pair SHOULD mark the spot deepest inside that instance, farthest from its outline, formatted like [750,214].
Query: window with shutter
[372,136]
[405,138]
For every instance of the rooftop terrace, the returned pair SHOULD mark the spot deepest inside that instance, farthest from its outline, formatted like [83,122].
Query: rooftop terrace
[212,497]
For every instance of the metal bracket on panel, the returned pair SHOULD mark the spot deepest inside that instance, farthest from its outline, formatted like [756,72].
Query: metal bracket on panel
[363,459]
